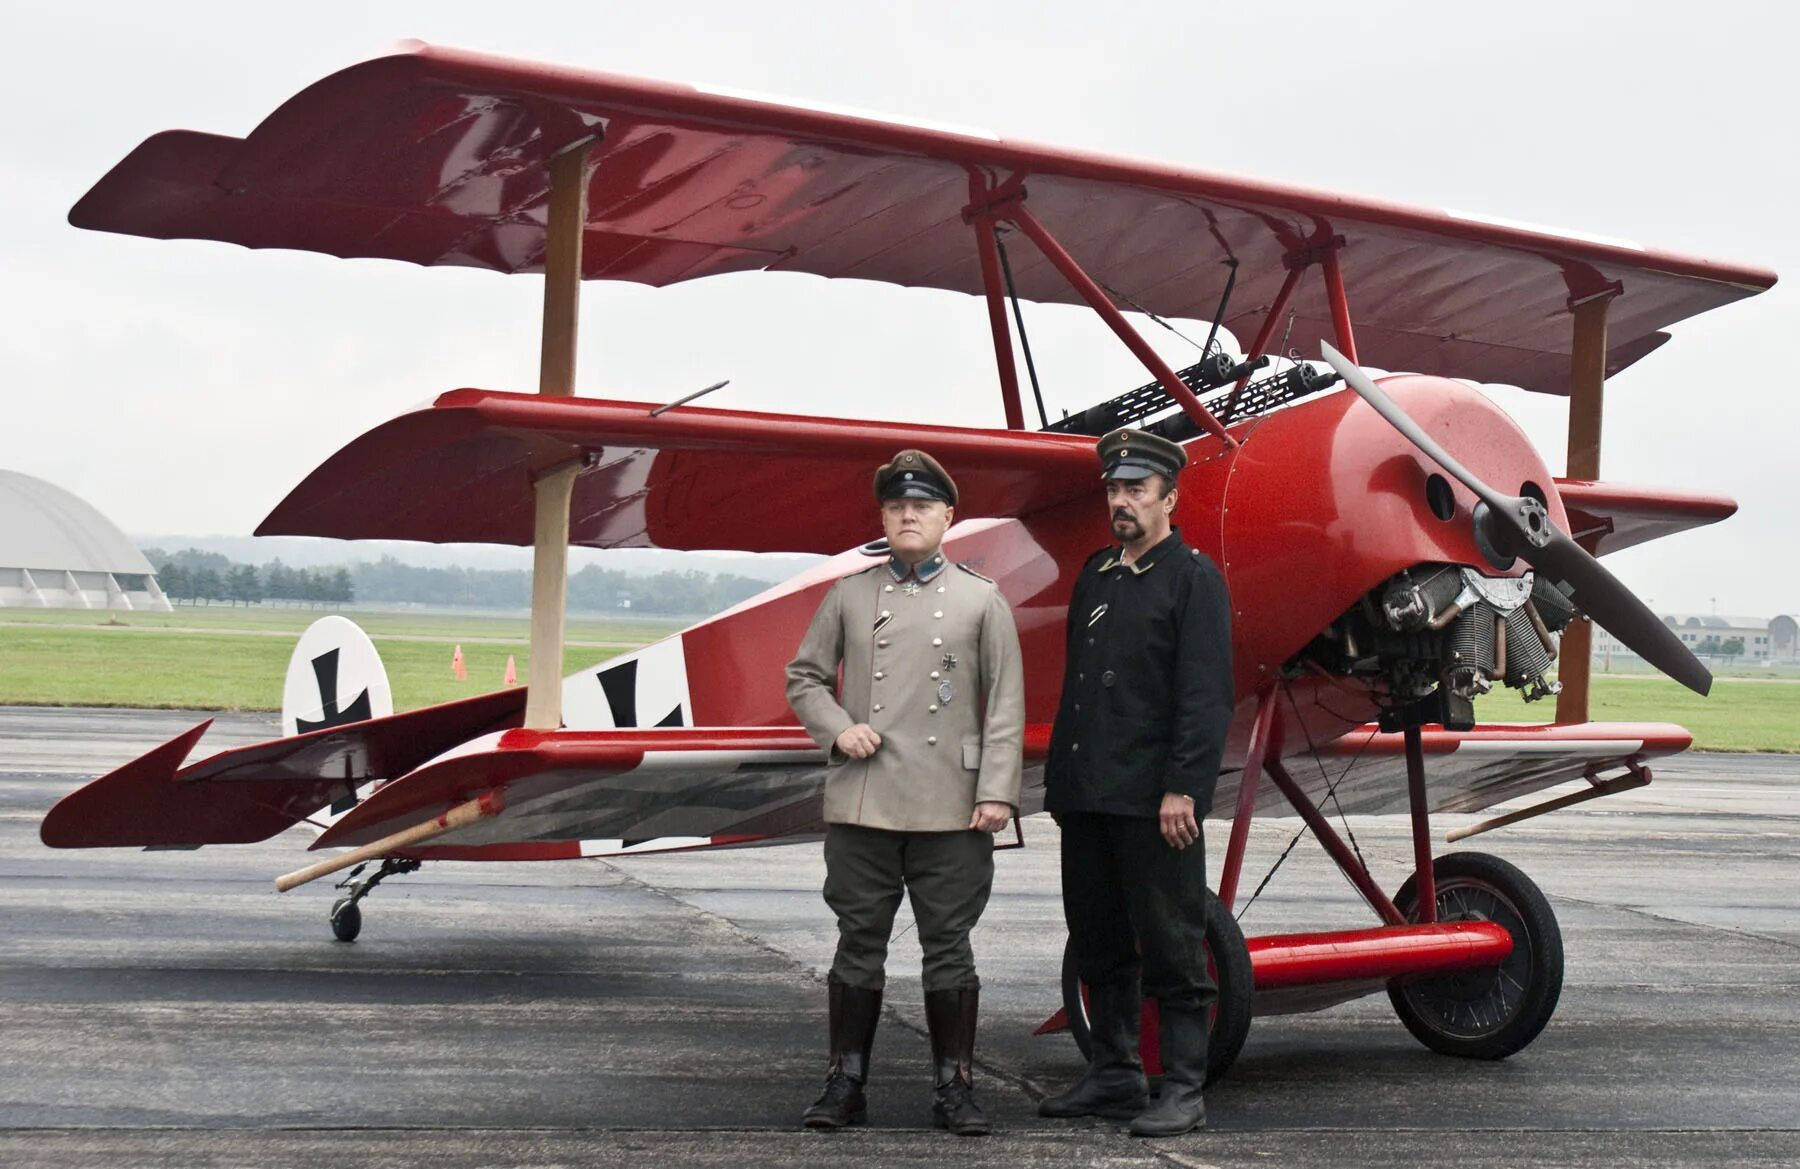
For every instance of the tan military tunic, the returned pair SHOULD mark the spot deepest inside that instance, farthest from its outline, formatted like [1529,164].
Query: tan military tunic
[934,668]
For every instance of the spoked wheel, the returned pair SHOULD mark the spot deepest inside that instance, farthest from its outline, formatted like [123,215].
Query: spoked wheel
[346,919]
[1484,1014]
[1227,960]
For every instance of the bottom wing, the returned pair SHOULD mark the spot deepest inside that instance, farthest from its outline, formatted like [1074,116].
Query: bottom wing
[1364,772]
[570,794]
[575,794]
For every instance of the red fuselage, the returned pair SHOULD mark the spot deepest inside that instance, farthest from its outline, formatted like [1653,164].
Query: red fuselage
[1318,504]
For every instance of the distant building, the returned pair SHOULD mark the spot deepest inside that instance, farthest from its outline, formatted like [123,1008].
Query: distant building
[1784,639]
[1764,639]
[57,552]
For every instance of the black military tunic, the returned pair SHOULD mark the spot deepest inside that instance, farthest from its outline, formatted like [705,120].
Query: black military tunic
[1146,702]
[1147,690]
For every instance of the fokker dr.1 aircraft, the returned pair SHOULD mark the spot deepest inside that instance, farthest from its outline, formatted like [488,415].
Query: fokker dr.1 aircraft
[1393,548]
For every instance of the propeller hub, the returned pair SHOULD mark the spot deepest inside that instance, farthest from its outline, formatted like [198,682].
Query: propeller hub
[1533,521]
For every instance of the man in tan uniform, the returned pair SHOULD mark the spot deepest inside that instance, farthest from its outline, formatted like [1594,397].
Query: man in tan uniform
[925,742]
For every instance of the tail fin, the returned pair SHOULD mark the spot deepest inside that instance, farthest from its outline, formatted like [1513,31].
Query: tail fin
[335,677]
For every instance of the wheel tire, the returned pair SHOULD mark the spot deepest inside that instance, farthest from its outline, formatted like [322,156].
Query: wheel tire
[1484,1014]
[1227,958]
[346,920]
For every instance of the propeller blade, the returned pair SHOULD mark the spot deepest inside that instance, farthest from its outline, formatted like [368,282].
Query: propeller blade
[1529,533]
[1604,597]
[1400,420]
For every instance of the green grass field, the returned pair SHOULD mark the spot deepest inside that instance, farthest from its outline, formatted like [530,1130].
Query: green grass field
[452,626]
[1739,715]
[221,658]
[225,659]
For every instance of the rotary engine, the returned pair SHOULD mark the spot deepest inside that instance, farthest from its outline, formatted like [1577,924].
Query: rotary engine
[1447,626]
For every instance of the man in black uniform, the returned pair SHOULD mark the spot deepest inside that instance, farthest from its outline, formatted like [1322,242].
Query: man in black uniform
[1147,698]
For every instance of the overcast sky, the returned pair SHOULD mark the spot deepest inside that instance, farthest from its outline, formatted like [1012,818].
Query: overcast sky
[186,386]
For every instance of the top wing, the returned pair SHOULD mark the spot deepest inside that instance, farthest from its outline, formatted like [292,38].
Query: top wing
[437,156]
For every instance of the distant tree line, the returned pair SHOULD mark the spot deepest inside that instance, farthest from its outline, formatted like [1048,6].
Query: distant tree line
[208,577]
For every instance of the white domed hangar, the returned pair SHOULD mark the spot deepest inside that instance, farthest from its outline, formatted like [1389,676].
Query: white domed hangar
[58,552]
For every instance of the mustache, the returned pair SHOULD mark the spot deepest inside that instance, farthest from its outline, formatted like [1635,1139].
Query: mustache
[1122,514]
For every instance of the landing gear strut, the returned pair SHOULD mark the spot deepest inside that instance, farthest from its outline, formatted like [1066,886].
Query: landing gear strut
[346,917]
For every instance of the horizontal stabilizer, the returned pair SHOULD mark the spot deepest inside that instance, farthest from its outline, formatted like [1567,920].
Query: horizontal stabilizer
[251,793]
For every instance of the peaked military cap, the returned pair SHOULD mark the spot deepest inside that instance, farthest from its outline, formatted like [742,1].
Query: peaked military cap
[914,475]
[1138,454]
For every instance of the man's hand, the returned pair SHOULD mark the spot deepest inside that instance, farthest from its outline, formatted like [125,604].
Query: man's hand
[859,741]
[1179,827]
[990,816]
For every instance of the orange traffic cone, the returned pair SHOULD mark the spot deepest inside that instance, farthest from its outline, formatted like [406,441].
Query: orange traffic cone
[512,672]
[456,666]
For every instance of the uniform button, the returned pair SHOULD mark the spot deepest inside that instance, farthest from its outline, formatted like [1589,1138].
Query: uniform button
[878,708]
[1090,641]
[1081,677]
[931,741]
[934,673]
[881,644]
[940,588]
[936,641]
[885,613]
[879,675]
[1078,708]
[887,588]
[1075,748]
[932,708]
[1108,678]
[939,613]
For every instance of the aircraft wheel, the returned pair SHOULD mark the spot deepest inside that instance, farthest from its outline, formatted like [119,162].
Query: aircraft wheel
[1484,1014]
[1228,961]
[346,919]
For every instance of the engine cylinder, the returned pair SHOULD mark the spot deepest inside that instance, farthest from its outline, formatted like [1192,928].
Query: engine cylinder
[1471,641]
[1526,658]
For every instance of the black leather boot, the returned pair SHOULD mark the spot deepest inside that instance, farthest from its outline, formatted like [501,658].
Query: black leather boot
[1180,1106]
[950,1016]
[854,1014]
[1113,1086]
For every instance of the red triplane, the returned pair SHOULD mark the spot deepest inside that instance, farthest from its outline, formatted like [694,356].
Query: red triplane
[1391,552]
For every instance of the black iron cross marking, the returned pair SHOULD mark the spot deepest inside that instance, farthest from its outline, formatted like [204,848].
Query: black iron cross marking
[325,672]
[619,684]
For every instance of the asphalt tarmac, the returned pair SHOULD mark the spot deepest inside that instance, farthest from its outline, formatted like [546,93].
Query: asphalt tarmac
[168,1008]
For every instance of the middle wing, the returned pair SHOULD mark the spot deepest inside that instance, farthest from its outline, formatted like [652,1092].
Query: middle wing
[693,478]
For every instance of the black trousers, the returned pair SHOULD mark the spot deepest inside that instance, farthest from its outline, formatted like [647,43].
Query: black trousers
[1136,908]
[948,875]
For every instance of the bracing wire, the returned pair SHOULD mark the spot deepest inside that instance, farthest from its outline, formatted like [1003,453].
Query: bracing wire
[1019,319]
[1331,794]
